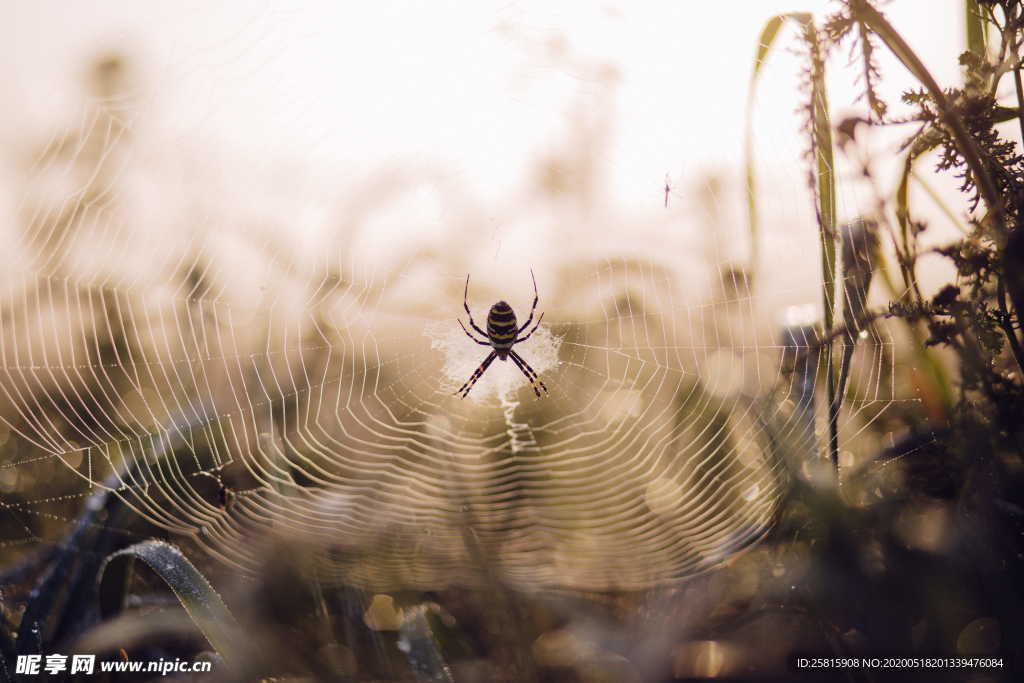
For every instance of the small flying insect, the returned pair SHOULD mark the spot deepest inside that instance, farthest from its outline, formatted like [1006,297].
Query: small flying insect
[501,335]
[668,190]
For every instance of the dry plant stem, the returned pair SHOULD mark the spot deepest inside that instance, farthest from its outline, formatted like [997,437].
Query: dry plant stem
[1000,68]
[1004,322]
[834,404]
[838,393]
[873,104]
[1003,63]
[1020,95]
[845,330]
[965,143]
[1012,26]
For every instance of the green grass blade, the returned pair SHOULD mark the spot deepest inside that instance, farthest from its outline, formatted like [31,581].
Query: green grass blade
[975,25]
[925,357]
[765,43]
[824,160]
[825,185]
[881,27]
[202,603]
[903,208]
[826,197]
[825,171]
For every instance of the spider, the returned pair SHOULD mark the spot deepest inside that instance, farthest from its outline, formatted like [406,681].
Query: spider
[501,335]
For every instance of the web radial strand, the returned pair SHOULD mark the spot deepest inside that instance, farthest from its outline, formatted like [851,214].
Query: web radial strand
[318,413]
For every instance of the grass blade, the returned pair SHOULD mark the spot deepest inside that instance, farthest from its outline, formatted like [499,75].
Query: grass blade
[975,25]
[825,192]
[965,143]
[202,603]
[826,211]
[764,45]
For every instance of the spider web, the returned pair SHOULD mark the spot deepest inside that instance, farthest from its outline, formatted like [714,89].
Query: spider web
[656,455]
[238,393]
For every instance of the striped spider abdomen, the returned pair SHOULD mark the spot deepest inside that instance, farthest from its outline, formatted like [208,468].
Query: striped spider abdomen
[501,328]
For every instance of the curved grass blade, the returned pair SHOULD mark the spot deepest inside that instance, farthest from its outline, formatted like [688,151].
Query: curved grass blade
[130,631]
[764,45]
[881,27]
[925,142]
[202,603]
[824,160]
[50,614]
[975,27]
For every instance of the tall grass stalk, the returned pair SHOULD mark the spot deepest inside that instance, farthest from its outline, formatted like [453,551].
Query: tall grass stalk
[824,191]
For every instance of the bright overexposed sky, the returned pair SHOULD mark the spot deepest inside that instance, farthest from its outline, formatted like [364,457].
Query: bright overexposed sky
[326,94]
[472,86]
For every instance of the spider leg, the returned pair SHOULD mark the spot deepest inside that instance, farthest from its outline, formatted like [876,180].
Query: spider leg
[481,343]
[464,389]
[465,304]
[534,307]
[522,339]
[520,361]
[530,373]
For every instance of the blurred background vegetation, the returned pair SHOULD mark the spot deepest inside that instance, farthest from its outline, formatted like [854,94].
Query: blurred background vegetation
[786,381]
